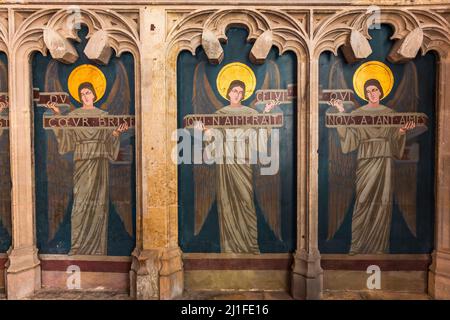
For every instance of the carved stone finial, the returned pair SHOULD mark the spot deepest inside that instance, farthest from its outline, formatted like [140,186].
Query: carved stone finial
[261,48]
[60,48]
[98,48]
[212,47]
[357,47]
[406,48]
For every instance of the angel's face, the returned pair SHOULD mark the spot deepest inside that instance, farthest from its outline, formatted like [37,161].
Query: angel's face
[87,96]
[236,95]
[373,94]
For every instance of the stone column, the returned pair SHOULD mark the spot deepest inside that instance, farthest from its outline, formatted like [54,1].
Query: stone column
[157,271]
[307,273]
[23,274]
[439,276]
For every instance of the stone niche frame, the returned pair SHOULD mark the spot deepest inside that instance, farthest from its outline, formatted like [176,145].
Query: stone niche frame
[155,33]
[22,34]
[287,34]
[416,29]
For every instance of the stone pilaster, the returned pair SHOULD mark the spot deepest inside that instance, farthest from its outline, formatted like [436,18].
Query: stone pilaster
[23,274]
[439,276]
[306,272]
[157,263]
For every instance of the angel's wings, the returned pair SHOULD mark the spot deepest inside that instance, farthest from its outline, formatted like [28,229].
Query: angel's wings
[267,188]
[118,103]
[341,167]
[204,101]
[406,99]
[5,177]
[60,168]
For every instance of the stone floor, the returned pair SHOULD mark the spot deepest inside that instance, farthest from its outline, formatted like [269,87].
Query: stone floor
[223,295]
[373,295]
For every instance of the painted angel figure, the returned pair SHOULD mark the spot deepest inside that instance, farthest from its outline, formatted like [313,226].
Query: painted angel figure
[378,171]
[93,149]
[236,187]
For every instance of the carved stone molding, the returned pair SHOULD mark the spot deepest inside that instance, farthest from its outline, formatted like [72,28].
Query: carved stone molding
[3,30]
[286,32]
[332,31]
[122,31]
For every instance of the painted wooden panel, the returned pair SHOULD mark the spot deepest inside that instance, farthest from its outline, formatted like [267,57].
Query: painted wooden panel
[231,206]
[84,155]
[376,152]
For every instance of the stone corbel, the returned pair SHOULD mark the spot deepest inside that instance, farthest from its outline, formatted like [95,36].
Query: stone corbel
[60,48]
[212,47]
[98,48]
[357,47]
[261,47]
[407,48]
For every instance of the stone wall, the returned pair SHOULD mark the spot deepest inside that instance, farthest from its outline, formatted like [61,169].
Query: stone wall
[155,33]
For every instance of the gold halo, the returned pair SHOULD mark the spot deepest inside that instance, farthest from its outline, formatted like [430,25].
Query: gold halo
[236,71]
[373,70]
[86,73]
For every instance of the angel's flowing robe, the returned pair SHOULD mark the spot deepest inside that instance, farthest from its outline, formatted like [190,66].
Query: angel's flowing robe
[93,148]
[235,197]
[376,149]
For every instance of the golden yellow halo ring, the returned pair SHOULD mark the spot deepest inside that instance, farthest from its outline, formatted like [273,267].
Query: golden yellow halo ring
[373,70]
[236,71]
[86,73]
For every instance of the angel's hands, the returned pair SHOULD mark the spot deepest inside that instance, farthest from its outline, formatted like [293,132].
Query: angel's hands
[52,106]
[337,103]
[122,128]
[272,104]
[408,126]
[4,105]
